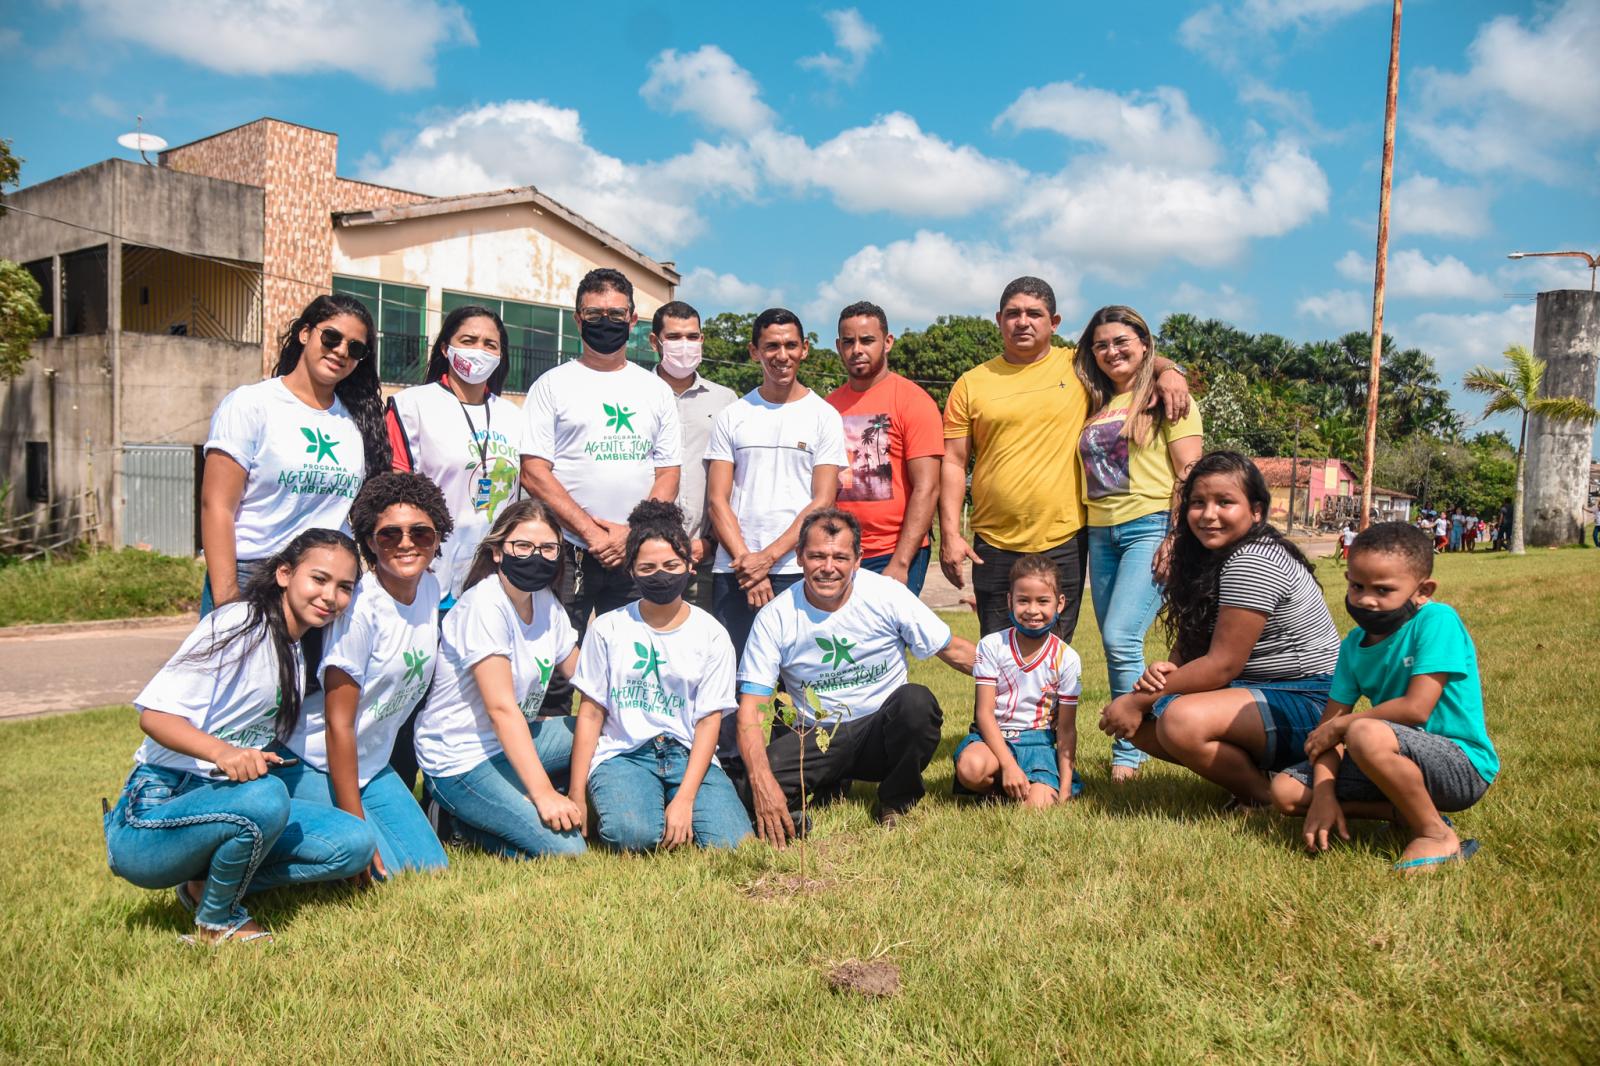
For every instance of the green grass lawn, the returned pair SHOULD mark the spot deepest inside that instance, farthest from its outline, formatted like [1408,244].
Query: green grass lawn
[1137,925]
[106,584]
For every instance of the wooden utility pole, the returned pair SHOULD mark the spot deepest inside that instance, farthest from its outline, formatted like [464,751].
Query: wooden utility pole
[1379,272]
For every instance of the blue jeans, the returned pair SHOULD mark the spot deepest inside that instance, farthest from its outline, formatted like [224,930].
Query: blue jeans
[1126,599]
[405,840]
[914,577]
[169,827]
[493,810]
[631,792]
[246,569]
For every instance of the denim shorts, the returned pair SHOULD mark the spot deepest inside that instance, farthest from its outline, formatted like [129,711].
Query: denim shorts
[1035,752]
[1290,710]
[1453,783]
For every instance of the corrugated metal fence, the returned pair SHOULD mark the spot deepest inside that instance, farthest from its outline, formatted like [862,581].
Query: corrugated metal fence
[158,483]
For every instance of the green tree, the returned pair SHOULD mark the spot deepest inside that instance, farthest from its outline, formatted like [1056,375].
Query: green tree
[21,317]
[936,356]
[10,172]
[1518,391]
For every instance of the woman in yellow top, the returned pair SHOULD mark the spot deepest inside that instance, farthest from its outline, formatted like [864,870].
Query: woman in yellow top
[1134,461]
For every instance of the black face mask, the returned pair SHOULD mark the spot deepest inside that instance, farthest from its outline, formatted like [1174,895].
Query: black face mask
[530,574]
[1381,623]
[605,336]
[662,587]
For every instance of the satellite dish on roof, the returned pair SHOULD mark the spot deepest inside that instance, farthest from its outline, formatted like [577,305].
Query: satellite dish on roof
[140,141]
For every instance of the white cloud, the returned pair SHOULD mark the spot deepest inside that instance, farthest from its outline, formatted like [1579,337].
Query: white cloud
[1155,127]
[932,274]
[712,293]
[854,37]
[1341,309]
[1228,33]
[891,165]
[389,42]
[1225,302]
[708,84]
[532,142]
[1544,274]
[1460,342]
[1528,92]
[1425,205]
[1413,275]
[1117,214]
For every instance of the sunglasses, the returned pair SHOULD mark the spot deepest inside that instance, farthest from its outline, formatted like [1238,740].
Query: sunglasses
[391,537]
[332,338]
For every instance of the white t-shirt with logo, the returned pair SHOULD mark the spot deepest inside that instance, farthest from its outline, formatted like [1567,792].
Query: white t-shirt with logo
[232,695]
[853,658]
[389,649]
[773,448]
[302,465]
[651,682]
[455,444]
[454,732]
[1028,690]
[605,434]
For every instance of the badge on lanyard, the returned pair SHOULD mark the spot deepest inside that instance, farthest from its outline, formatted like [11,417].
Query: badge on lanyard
[480,497]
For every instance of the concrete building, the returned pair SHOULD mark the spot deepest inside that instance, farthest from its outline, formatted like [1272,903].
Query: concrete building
[169,285]
[1326,491]
[1566,335]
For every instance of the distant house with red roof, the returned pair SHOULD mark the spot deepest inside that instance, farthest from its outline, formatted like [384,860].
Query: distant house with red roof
[1326,490]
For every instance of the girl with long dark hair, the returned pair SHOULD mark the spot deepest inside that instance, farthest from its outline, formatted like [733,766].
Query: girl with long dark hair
[656,679]
[202,810]
[377,661]
[486,755]
[1133,459]
[290,452]
[1253,644]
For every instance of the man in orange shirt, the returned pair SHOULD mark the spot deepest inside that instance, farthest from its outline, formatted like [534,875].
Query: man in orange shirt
[894,443]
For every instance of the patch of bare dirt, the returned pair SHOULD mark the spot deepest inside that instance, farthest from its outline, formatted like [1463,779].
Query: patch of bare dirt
[787,886]
[875,980]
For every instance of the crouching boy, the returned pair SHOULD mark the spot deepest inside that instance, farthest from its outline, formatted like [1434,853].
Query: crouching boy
[1422,746]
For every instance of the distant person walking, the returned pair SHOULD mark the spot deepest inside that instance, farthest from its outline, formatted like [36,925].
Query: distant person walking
[894,444]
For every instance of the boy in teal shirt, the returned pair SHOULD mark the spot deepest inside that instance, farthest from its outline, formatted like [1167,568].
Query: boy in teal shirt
[1422,747]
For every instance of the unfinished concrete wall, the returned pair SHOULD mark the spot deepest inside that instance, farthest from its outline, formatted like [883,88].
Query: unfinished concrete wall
[63,396]
[1566,335]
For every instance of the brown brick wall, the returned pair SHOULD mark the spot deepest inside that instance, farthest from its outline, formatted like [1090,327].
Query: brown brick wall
[362,196]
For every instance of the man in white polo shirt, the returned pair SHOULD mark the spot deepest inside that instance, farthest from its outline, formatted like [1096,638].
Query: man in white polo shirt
[602,434]
[843,632]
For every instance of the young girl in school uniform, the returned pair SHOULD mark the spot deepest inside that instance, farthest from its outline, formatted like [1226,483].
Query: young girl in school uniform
[203,809]
[656,679]
[378,658]
[1253,644]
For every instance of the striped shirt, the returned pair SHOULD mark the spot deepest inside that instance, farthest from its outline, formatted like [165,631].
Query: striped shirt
[1028,691]
[1299,639]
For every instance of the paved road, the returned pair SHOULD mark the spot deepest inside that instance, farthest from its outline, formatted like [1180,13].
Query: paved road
[56,672]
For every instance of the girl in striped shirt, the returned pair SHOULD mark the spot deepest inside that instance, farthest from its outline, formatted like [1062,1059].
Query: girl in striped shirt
[1253,644]
[1024,737]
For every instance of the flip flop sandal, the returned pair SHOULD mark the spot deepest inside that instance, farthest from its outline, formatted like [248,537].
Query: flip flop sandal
[230,934]
[1468,849]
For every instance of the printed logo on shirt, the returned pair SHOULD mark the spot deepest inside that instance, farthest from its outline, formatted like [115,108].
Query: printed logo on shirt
[866,475]
[624,443]
[504,466]
[650,661]
[259,733]
[645,695]
[415,660]
[836,653]
[619,417]
[835,650]
[321,444]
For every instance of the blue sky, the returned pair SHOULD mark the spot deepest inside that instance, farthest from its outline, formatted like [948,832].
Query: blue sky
[1219,158]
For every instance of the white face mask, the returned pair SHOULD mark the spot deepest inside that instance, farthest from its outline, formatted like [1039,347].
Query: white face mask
[472,365]
[680,357]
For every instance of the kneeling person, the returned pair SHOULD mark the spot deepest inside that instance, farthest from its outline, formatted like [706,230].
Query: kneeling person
[1024,737]
[1422,747]
[843,632]
[656,678]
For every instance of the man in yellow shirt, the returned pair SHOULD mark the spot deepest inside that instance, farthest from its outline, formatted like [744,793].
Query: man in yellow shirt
[1018,417]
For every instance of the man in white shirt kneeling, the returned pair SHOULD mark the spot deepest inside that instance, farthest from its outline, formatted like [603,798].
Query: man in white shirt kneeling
[843,632]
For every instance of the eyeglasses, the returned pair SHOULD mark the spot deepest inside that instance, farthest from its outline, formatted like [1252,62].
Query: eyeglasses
[332,338]
[422,537]
[610,314]
[1121,345]
[521,549]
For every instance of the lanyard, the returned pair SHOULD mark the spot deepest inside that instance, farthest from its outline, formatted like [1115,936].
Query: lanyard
[483,445]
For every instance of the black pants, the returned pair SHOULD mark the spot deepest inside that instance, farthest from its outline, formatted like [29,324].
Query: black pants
[991,582]
[586,588]
[730,606]
[891,747]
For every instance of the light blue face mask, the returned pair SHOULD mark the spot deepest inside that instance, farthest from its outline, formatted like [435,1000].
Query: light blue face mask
[1031,633]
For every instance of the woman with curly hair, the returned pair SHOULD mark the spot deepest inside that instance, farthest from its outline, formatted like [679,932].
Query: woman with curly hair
[1253,644]
[377,662]
[289,453]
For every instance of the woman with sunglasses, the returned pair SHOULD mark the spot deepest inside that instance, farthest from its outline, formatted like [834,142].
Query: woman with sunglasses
[289,453]
[485,753]
[377,661]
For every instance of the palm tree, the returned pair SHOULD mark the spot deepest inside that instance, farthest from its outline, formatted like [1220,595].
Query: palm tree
[1518,391]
